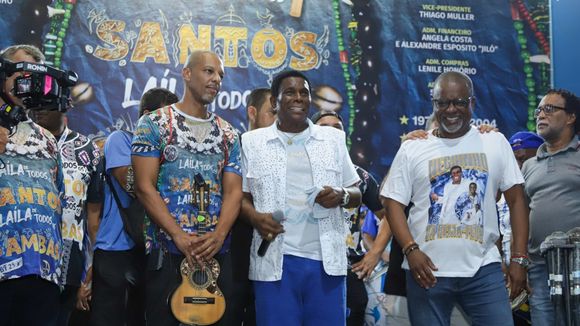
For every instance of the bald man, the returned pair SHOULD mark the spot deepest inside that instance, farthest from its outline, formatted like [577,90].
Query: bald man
[171,148]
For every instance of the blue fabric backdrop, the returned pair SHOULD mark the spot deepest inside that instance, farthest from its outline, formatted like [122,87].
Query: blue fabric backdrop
[122,48]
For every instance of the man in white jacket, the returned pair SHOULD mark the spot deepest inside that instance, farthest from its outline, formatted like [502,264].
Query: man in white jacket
[303,171]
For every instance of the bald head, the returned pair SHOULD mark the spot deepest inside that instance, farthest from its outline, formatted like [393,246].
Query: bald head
[452,77]
[202,74]
[195,56]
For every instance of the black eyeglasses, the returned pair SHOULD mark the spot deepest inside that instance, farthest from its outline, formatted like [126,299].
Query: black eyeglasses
[458,103]
[548,109]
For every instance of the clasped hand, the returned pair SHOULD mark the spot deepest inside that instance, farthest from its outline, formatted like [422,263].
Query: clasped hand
[329,197]
[199,248]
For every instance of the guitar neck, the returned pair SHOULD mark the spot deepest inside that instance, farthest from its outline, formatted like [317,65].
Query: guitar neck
[202,221]
[202,215]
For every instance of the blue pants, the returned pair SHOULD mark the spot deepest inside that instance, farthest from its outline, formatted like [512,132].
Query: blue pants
[306,295]
[541,307]
[483,297]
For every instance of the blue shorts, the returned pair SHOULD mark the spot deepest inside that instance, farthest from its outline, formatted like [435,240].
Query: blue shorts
[306,295]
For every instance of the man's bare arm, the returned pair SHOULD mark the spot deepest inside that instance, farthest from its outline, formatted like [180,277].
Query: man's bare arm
[420,265]
[376,249]
[330,197]
[93,220]
[519,219]
[146,172]
[120,174]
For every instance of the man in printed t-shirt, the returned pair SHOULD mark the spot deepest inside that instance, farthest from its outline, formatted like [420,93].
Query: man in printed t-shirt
[446,198]
[81,205]
[170,147]
[30,214]
[447,261]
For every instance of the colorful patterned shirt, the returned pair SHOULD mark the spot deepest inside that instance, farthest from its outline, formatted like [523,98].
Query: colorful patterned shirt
[30,205]
[82,173]
[187,146]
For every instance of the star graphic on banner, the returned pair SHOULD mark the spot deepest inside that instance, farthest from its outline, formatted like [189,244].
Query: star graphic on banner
[404,120]
[403,136]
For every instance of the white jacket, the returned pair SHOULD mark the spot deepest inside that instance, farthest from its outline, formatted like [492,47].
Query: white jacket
[264,171]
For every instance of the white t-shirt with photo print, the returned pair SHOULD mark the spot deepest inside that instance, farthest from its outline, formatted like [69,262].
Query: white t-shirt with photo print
[421,168]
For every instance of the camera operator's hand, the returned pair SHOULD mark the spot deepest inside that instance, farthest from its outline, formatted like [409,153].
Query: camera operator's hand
[3,139]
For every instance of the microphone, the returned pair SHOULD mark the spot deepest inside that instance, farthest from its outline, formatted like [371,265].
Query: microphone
[276,216]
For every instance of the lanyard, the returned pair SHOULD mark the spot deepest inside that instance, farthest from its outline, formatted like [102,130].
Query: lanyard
[63,138]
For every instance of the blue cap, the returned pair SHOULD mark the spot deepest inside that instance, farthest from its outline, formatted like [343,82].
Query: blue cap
[525,139]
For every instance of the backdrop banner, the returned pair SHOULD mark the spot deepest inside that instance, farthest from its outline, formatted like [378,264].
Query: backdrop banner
[374,61]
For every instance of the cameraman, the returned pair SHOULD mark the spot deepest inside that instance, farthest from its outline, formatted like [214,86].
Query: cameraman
[30,213]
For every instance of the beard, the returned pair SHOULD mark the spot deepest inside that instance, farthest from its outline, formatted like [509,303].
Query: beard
[453,128]
[208,98]
[204,96]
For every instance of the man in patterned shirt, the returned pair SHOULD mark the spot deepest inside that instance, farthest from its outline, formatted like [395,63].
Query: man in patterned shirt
[30,214]
[81,206]
[171,148]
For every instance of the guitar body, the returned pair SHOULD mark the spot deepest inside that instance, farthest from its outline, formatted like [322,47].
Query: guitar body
[198,300]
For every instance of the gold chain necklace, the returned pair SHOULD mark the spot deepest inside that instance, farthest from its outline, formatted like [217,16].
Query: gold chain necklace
[289,140]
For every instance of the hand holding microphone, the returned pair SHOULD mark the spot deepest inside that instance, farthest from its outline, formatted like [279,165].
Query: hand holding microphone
[277,217]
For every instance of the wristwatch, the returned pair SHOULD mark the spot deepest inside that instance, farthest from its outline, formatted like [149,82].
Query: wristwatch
[345,198]
[522,261]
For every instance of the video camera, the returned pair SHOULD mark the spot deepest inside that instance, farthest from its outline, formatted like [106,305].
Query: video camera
[40,87]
